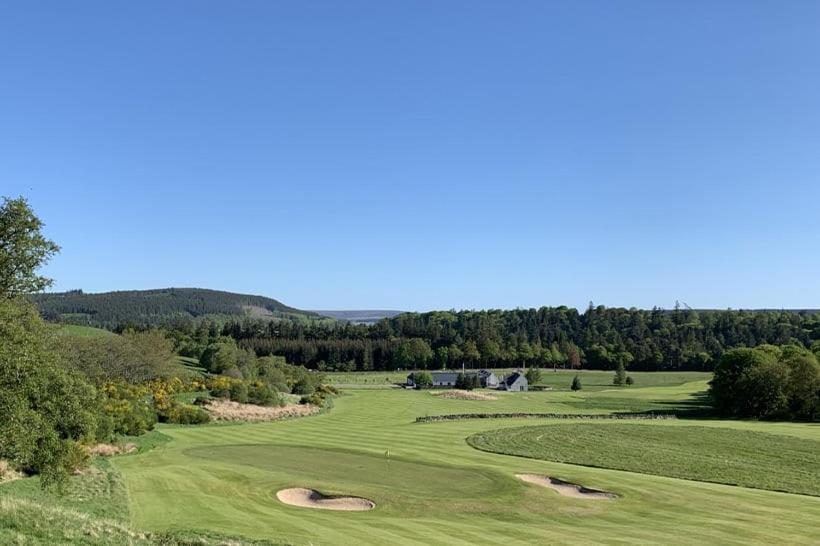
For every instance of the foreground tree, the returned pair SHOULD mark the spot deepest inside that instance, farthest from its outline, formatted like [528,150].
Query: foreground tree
[23,249]
[45,410]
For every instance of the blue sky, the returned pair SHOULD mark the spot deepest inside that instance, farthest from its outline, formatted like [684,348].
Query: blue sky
[421,155]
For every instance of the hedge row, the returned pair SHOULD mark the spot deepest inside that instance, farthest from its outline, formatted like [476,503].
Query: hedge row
[458,416]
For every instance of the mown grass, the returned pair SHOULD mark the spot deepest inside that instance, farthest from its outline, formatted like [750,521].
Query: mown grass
[438,489]
[82,331]
[197,485]
[92,510]
[720,455]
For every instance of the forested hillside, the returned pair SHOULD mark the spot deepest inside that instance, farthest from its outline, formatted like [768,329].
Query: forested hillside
[156,307]
[600,338]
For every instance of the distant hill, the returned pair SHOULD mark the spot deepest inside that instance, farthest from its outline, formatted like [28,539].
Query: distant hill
[152,307]
[360,317]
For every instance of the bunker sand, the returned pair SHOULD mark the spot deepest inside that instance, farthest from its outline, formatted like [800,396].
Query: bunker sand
[309,498]
[566,488]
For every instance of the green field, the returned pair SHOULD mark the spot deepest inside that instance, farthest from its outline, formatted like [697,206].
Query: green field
[722,455]
[560,379]
[434,488]
[82,331]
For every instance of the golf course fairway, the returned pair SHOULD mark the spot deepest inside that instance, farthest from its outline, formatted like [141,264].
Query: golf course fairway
[430,487]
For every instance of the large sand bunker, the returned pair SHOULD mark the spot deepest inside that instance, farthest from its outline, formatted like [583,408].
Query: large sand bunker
[565,488]
[465,395]
[308,498]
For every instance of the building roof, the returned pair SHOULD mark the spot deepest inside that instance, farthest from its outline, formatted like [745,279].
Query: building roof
[513,377]
[447,377]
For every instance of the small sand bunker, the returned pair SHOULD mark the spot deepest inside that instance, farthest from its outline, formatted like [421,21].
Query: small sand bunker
[565,488]
[465,395]
[308,498]
[226,410]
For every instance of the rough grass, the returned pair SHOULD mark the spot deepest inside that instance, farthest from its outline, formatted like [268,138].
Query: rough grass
[720,455]
[465,395]
[227,410]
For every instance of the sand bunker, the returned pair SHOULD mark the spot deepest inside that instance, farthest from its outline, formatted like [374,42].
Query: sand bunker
[565,488]
[226,410]
[308,498]
[465,395]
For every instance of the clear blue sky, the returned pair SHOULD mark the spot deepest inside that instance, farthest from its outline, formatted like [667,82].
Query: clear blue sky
[419,155]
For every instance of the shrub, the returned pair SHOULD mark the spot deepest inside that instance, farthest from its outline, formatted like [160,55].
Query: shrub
[629,380]
[576,383]
[186,414]
[620,375]
[262,394]
[315,399]
[328,390]
[238,392]
[422,380]
[128,408]
[304,385]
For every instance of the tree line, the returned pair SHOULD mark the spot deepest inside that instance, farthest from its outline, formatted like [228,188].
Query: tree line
[599,338]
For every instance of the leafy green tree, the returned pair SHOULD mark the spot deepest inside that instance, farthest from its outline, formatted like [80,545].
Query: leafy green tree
[23,249]
[467,381]
[219,357]
[455,355]
[576,383]
[442,357]
[533,376]
[620,375]
[471,352]
[46,410]
[730,390]
[422,380]
[803,387]
[629,381]
[413,353]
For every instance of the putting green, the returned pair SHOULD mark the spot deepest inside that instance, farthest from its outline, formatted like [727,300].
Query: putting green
[343,472]
[438,489]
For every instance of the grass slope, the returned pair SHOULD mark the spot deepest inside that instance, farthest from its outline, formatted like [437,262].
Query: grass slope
[438,489]
[721,455]
[92,511]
